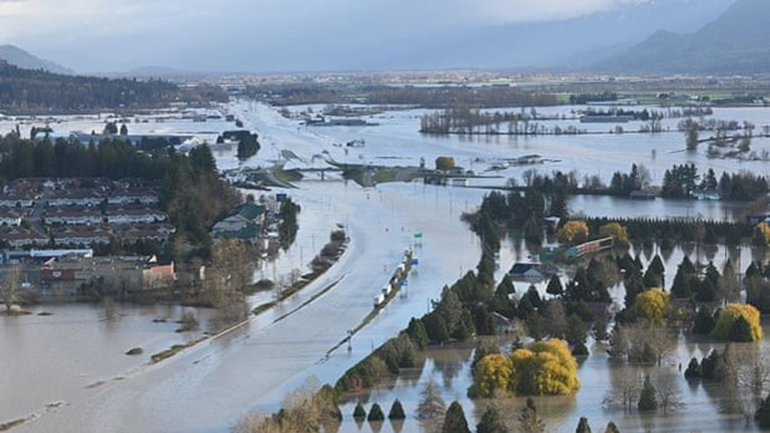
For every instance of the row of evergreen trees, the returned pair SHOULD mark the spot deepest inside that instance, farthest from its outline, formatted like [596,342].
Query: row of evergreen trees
[38,91]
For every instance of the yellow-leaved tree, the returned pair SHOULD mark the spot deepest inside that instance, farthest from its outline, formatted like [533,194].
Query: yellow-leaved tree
[614,231]
[738,322]
[573,232]
[652,305]
[764,228]
[492,377]
[544,368]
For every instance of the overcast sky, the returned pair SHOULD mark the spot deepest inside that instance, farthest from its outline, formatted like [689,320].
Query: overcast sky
[112,35]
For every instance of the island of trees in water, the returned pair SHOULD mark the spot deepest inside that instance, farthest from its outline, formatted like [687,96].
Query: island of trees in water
[550,332]
[465,120]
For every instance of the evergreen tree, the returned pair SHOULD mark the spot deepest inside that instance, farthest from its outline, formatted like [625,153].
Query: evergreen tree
[707,291]
[704,322]
[652,279]
[612,428]
[762,416]
[416,331]
[634,286]
[396,411]
[583,426]
[375,414]
[454,421]
[687,266]
[580,350]
[647,398]
[492,422]
[555,287]
[436,328]
[619,344]
[693,370]
[577,331]
[712,274]
[681,286]
[740,331]
[359,413]
[506,287]
[657,265]
[558,206]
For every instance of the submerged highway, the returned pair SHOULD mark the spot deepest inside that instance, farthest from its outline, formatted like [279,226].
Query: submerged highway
[207,388]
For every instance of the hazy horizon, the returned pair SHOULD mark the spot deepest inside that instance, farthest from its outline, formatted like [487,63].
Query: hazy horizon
[339,35]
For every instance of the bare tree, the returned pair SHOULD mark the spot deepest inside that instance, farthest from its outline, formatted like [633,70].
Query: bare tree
[304,410]
[529,421]
[110,310]
[432,406]
[294,276]
[754,371]
[669,393]
[649,343]
[624,394]
[12,288]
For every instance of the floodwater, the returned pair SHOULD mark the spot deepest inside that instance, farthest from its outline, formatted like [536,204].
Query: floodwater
[255,366]
[449,366]
[705,408]
[53,358]
[207,388]
[397,141]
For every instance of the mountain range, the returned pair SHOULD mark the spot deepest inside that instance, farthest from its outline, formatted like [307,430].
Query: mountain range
[705,37]
[737,42]
[18,57]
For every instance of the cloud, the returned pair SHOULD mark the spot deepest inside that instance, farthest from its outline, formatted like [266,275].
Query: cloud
[543,10]
[214,34]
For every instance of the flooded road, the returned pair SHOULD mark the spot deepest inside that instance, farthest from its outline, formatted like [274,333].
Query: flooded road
[207,388]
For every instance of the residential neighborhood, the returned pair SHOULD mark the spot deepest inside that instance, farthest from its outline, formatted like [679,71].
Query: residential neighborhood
[62,274]
[80,212]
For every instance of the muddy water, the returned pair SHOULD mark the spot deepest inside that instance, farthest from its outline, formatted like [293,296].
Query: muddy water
[53,359]
[398,136]
[208,388]
[449,367]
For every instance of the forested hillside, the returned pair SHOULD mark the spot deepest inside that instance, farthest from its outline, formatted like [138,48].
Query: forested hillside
[37,91]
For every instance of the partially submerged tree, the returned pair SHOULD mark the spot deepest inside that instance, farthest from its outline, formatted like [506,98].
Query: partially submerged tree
[454,421]
[529,421]
[583,426]
[431,406]
[396,411]
[492,422]
[647,398]
[11,289]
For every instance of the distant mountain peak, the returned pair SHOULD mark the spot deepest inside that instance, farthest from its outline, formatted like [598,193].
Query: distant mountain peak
[18,57]
[737,42]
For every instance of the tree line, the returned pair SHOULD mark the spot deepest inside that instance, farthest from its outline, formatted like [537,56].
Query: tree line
[112,158]
[683,181]
[192,193]
[26,91]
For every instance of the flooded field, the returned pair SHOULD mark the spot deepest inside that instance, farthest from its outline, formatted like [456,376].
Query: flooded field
[56,352]
[450,368]
[256,366]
